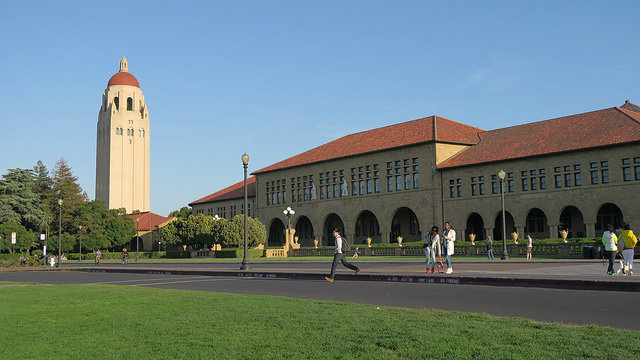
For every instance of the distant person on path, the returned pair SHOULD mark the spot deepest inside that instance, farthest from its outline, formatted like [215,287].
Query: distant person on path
[431,245]
[529,246]
[98,254]
[630,241]
[489,248]
[450,237]
[339,257]
[355,253]
[125,256]
[609,240]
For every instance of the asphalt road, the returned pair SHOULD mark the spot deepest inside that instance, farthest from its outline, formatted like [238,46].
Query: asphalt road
[606,308]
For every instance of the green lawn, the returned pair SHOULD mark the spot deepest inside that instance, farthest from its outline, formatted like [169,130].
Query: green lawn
[122,322]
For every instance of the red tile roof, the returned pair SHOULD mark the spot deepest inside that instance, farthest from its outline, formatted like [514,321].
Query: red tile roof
[123,78]
[234,191]
[149,220]
[433,128]
[629,106]
[599,128]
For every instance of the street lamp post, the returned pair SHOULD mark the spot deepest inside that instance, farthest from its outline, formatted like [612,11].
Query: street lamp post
[288,212]
[505,254]
[137,239]
[59,232]
[245,260]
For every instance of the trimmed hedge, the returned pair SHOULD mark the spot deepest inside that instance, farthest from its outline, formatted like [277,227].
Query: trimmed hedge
[239,253]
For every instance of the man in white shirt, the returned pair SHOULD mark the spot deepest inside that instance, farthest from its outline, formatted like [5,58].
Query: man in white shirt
[610,240]
[339,257]
[450,237]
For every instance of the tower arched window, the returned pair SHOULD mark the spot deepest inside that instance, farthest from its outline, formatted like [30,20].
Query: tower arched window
[116,102]
[129,104]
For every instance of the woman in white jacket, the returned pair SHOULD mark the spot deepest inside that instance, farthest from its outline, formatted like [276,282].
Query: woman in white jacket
[450,237]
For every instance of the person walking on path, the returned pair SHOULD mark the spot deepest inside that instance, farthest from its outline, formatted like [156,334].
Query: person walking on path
[355,253]
[529,246]
[489,248]
[338,256]
[98,254]
[630,241]
[431,245]
[125,256]
[450,237]
[609,240]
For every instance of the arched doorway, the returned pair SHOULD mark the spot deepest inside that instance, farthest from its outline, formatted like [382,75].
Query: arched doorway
[276,233]
[475,225]
[332,222]
[367,226]
[608,214]
[571,220]
[497,229]
[304,231]
[536,224]
[405,223]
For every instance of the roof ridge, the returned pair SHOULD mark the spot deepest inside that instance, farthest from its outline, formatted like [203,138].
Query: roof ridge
[624,111]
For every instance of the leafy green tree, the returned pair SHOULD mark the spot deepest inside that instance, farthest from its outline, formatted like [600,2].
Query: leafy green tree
[69,241]
[198,231]
[233,234]
[171,233]
[19,201]
[43,187]
[119,227]
[91,219]
[25,239]
[183,213]
[65,186]
[218,230]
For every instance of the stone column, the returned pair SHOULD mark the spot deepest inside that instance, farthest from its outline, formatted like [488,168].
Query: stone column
[591,229]
[488,232]
[553,231]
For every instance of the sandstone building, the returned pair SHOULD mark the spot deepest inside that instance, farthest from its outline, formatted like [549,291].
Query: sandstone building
[122,156]
[577,172]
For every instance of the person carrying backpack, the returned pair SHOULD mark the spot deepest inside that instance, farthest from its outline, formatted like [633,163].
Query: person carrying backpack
[338,256]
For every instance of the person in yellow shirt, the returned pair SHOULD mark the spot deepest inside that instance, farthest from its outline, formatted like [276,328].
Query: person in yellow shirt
[630,241]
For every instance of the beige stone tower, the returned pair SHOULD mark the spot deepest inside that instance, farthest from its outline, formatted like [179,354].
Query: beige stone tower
[122,159]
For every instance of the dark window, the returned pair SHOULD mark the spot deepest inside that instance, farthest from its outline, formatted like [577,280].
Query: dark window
[481,188]
[626,161]
[524,173]
[452,191]
[594,177]
[557,169]
[593,165]
[377,185]
[416,181]
[116,102]
[510,175]
[558,181]
[525,185]
[494,187]
[398,183]
[626,174]
[604,163]
[389,184]
[329,191]
[354,188]
[576,167]
[605,176]
[567,168]
[543,182]
[637,169]
[369,186]
[543,171]
[361,185]
[532,172]
[578,179]
[459,188]
[511,186]
[407,182]
[567,180]
[474,189]
[534,183]
[129,104]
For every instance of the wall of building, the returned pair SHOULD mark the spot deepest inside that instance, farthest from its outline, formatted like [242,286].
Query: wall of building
[225,209]
[587,198]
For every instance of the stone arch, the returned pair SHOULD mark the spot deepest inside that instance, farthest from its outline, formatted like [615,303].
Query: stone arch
[536,224]
[366,225]
[304,231]
[475,225]
[497,229]
[608,213]
[571,219]
[404,223]
[276,233]
[332,221]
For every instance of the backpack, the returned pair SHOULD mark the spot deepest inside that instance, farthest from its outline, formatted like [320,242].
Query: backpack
[345,245]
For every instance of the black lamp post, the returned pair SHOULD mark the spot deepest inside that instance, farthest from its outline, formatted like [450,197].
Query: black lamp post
[59,232]
[137,239]
[245,259]
[288,212]
[505,254]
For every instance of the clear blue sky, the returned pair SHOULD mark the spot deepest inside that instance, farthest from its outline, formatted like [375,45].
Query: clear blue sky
[276,78]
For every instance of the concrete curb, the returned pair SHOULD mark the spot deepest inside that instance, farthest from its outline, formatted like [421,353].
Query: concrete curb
[600,285]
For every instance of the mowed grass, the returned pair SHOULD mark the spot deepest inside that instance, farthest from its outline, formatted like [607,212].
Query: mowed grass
[126,322]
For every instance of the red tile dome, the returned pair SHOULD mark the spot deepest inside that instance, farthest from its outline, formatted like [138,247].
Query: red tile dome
[123,78]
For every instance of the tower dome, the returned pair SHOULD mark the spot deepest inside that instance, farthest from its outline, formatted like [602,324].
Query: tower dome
[123,77]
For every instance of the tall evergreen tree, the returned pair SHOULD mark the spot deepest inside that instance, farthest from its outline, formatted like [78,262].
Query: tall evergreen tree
[43,186]
[19,201]
[65,186]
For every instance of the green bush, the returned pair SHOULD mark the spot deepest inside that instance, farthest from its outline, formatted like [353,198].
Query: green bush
[239,253]
[178,254]
[106,255]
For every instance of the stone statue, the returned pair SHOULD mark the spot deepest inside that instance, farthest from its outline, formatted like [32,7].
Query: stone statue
[344,190]
[313,191]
